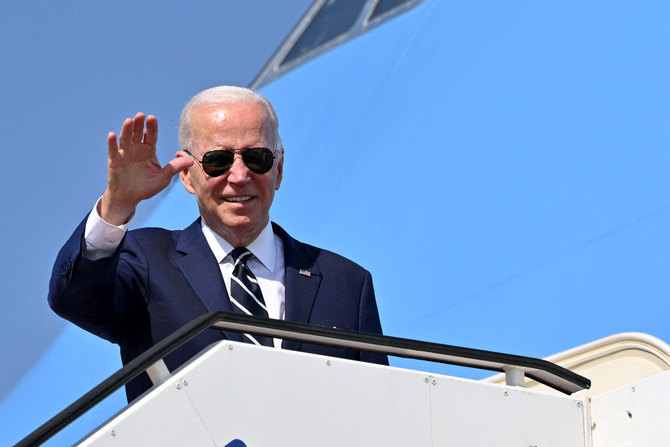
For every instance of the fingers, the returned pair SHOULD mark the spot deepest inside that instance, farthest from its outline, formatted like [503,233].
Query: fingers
[138,128]
[112,147]
[133,131]
[126,135]
[151,131]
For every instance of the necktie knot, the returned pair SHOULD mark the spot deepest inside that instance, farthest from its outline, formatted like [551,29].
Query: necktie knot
[240,255]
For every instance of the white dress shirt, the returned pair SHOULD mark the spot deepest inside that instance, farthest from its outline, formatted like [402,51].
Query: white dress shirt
[267,262]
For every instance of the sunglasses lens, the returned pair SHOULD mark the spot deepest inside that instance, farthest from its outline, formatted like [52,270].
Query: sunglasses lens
[216,163]
[258,159]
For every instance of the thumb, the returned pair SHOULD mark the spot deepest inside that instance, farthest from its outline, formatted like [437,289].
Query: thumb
[177,165]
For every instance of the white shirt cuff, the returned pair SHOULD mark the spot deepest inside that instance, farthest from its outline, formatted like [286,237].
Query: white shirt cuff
[102,238]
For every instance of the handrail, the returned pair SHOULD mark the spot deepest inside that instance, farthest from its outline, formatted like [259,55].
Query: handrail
[541,370]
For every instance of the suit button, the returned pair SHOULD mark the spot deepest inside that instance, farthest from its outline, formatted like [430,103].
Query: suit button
[67,269]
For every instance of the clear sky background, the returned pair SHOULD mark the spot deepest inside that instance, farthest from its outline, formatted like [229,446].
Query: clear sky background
[514,154]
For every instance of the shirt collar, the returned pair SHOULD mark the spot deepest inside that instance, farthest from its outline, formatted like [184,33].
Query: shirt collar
[263,247]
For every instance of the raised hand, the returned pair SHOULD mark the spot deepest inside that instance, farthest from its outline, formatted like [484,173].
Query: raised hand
[133,171]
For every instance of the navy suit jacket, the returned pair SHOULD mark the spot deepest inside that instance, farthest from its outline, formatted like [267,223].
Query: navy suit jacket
[159,280]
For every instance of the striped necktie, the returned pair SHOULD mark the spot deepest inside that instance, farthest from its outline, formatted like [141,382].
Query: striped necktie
[245,294]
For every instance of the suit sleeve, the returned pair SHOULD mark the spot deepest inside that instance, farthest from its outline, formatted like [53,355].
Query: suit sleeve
[96,295]
[369,319]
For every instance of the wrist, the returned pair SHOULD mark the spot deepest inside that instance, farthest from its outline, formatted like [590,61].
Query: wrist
[114,211]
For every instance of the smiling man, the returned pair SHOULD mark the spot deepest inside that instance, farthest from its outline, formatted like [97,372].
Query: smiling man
[136,287]
[236,205]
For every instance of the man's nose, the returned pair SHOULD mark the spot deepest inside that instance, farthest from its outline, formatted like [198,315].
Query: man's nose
[239,173]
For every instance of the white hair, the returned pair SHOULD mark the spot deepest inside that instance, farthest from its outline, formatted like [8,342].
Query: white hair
[226,95]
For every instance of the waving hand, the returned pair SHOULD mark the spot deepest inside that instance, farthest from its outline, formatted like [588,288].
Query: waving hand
[133,171]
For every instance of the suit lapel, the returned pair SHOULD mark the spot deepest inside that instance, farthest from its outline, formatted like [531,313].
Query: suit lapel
[200,268]
[302,280]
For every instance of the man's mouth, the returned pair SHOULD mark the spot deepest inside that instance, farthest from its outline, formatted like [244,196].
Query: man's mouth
[237,199]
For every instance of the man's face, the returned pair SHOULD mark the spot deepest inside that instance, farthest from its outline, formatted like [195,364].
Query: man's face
[235,205]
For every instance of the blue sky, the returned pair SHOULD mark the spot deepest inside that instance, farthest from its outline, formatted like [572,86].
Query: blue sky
[517,154]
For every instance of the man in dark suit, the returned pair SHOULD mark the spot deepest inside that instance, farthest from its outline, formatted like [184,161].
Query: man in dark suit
[135,288]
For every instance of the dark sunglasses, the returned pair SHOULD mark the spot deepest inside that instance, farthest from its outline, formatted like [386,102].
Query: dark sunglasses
[216,163]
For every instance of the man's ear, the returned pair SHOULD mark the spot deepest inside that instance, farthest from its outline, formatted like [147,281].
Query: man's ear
[185,175]
[280,170]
